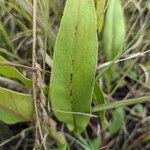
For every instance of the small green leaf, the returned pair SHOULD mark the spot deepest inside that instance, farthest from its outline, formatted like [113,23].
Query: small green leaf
[12,72]
[96,143]
[113,37]
[100,9]
[133,75]
[74,64]
[114,30]
[138,110]
[117,121]
[99,98]
[15,107]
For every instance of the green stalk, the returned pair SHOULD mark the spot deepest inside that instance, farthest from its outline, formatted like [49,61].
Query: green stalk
[117,104]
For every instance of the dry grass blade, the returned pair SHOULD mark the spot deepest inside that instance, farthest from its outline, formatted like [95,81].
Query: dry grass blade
[132,56]
[39,133]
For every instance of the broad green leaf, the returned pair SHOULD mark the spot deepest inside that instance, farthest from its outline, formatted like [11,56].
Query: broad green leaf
[113,36]
[117,121]
[99,99]
[100,9]
[15,107]
[74,64]
[12,72]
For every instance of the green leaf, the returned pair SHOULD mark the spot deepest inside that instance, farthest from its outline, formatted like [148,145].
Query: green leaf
[12,72]
[74,64]
[133,75]
[117,121]
[15,107]
[113,36]
[96,143]
[99,98]
[114,30]
[100,9]
[139,111]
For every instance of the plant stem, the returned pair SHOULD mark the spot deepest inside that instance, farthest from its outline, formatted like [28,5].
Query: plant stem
[38,129]
[117,104]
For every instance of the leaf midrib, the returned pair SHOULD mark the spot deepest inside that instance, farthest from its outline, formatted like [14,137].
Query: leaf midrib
[73,55]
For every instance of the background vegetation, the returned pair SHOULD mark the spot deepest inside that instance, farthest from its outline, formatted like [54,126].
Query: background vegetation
[128,127]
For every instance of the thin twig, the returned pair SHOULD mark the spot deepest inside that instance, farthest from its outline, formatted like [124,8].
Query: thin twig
[34,79]
[123,103]
[121,60]
[22,66]
[16,136]
[17,65]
